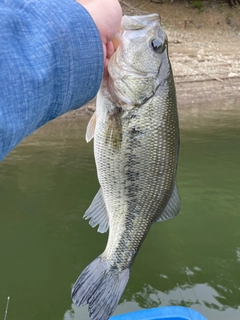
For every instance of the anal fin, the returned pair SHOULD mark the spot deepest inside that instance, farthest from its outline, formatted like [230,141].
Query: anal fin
[97,213]
[173,206]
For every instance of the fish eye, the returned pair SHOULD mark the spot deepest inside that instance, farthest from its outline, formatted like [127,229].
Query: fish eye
[158,45]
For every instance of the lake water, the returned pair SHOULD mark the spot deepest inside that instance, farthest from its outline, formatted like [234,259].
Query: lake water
[48,182]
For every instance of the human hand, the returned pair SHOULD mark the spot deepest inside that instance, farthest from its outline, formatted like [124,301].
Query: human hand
[107,15]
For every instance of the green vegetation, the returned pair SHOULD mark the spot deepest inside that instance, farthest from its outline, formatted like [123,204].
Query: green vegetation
[197,4]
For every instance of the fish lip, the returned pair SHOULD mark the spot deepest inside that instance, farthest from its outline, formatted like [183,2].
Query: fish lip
[139,22]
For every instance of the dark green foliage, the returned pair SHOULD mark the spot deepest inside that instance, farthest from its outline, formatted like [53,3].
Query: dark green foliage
[197,4]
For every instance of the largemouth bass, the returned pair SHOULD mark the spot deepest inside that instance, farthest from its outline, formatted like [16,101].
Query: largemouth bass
[136,146]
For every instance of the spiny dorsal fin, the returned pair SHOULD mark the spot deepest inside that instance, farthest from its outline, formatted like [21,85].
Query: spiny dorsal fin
[91,128]
[173,206]
[97,213]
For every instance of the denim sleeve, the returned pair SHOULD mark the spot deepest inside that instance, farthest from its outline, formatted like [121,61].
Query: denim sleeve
[51,61]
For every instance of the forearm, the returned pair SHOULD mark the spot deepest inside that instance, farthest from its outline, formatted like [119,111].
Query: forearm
[51,61]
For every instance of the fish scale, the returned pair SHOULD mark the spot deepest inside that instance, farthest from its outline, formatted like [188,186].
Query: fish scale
[136,146]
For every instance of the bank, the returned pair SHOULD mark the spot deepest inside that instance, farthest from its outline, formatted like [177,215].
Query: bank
[204,48]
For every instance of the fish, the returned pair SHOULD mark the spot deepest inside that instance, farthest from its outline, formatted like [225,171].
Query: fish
[136,145]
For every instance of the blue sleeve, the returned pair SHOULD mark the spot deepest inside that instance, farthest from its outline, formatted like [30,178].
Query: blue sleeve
[51,61]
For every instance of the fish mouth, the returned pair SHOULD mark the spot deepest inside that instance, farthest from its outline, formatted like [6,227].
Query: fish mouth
[124,72]
[134,23]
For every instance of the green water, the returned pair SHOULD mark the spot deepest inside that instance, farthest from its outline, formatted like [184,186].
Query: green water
[48,182]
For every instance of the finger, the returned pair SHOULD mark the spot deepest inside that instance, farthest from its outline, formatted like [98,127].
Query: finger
[105,73]
[105,60]
[110,49]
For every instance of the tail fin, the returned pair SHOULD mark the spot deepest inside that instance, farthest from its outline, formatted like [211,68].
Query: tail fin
[100,286]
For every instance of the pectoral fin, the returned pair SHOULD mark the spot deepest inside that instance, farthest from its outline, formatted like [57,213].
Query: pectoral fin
[91,128]
[97,213]
[173,206]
